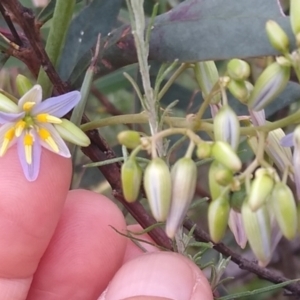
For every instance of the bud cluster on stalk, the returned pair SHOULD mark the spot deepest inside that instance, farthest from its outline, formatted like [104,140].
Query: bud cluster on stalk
[269,200]
[239,71]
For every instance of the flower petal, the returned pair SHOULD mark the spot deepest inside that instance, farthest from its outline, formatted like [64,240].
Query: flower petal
[3,130]
[10,117]
[236,226]
[31,171]
[288,140]
[63,150]
[33,95]
[58,106]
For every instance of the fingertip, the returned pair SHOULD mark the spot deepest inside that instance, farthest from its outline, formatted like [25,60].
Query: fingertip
[29,210]
[159,274]
[85,246]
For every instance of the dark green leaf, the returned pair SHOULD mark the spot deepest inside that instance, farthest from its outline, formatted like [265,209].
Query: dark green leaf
[198,30]
[97,18]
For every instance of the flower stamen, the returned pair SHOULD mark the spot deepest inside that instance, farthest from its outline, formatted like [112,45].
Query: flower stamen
[46,118]
[46,136]
[28,143]
[9,135]
[19,127]
[27,106]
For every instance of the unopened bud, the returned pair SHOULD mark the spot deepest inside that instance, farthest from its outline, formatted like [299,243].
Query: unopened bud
[23,84]
[261,189]
[285,210]
[239,90]
[207,76]
[295,16]
[227,126]
[71,133]
[157,184]
[268,86]
[7,105]
[131,175]
[184,177]
[218,214]
[277,37]
[238,69]
[203,150]
[129,138]
[224,154]
[214,187]
[223,175]
[258,230]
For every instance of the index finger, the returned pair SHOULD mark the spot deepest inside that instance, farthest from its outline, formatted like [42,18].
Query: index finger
[29,212]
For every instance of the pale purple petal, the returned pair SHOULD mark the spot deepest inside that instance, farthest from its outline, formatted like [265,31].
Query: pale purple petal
[236,226]
[63,149]
[31,171]
[33,95]
[258,117]
[288,140]
[58,106]
[3,129]
[10,117]
[296,163]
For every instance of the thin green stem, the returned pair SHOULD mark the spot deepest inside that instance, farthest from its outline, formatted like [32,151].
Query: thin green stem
[60,23]
[172,79]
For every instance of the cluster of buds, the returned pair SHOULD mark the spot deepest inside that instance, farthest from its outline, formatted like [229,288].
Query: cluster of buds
[169,193]
[269,202]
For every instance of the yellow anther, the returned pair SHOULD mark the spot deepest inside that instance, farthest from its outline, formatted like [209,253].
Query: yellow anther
[27,106]
[46,136]
[9,135]
[43,118]
[28,142]
[19,127]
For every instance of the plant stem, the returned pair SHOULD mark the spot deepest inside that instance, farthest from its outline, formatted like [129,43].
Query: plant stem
[60,23]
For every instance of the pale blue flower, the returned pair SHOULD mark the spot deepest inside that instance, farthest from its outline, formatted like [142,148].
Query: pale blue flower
[30,125]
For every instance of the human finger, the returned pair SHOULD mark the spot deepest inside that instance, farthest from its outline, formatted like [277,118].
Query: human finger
[29,212]
[85,251]
[160,274]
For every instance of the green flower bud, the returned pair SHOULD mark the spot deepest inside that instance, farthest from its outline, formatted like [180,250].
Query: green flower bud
[268,86]
[258,230]
[224,154]
[184,178]
[223,175]
[227,126]
[218,214]
[129,138]
[131,175]
[285,210]
[23,84]
[214,187]
[239,90]
[238,69]
[261,189]
[295,16]
[157,184]
[207,76]
[7,105]
[277,37]
[71,133]
[203,150]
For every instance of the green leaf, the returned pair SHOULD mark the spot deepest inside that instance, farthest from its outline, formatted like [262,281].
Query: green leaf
[97,18]
[215,29]
[258,291]
[198,30]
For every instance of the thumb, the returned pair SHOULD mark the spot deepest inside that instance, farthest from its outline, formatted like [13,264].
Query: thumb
[159,275]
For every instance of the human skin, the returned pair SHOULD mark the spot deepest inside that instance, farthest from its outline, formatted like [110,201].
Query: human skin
[58,244]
